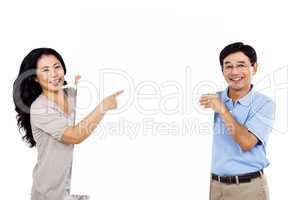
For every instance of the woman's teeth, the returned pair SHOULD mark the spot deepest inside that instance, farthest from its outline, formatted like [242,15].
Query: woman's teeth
[55,82]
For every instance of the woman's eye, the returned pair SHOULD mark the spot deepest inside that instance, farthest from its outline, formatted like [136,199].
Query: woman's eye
[58,66]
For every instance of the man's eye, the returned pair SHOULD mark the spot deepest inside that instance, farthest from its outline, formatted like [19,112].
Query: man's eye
[228,67]
[58,66]
[242,66]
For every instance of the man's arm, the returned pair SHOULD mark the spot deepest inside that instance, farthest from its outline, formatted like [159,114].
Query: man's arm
[239,133]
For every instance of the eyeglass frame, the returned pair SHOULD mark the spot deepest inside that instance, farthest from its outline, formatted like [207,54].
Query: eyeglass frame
[240,66]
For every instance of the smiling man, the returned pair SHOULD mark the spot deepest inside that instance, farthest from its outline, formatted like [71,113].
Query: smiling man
[243,121]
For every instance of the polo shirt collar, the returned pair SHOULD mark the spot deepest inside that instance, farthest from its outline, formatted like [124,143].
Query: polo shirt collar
[245,100]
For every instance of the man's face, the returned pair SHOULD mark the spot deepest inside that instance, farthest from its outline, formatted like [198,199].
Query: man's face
[238,71]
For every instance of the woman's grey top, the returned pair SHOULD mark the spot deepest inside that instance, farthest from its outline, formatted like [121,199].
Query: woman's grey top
[52,173]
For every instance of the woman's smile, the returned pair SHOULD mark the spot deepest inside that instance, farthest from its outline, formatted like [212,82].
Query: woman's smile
[50,74]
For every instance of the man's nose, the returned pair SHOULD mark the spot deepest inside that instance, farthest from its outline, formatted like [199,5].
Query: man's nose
[235,70]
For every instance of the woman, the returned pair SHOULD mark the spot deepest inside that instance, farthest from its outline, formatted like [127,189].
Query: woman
[46,114]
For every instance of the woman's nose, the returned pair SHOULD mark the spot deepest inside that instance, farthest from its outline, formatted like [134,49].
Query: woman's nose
[53,73]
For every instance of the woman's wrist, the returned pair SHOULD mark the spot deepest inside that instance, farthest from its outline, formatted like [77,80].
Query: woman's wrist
[101,108]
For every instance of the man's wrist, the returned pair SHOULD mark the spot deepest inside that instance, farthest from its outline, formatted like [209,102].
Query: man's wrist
[223,111]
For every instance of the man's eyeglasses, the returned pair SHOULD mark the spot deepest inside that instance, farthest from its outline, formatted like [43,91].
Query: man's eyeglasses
[239,67]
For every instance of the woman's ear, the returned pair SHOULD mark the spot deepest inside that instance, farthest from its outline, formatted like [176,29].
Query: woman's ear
[35,79]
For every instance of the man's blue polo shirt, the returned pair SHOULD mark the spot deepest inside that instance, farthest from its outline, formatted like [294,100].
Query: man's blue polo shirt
[254,111]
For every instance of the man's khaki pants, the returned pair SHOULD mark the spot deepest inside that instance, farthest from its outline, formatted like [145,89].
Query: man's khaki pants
[257,189]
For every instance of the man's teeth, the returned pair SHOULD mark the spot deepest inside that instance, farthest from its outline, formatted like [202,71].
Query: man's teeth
[236,79]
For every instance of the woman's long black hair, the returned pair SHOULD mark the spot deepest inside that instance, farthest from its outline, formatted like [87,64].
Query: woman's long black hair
[26,89]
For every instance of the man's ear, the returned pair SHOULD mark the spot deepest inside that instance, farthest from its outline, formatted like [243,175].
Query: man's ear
[254,70]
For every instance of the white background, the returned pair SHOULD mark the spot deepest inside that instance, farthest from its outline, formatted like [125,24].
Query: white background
[155,43]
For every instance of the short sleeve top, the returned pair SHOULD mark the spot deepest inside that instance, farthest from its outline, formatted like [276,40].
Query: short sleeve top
[51,175]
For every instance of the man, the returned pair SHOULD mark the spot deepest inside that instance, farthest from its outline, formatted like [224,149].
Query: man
[243,120]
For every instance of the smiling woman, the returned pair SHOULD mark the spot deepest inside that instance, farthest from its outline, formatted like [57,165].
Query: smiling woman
[45,111]
[50,73]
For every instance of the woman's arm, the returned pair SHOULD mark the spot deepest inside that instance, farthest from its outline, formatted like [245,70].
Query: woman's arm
[79,132]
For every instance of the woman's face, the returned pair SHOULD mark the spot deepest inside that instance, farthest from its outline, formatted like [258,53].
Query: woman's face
[49,73]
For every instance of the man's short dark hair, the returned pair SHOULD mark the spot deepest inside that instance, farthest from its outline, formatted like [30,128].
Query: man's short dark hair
[238,47]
